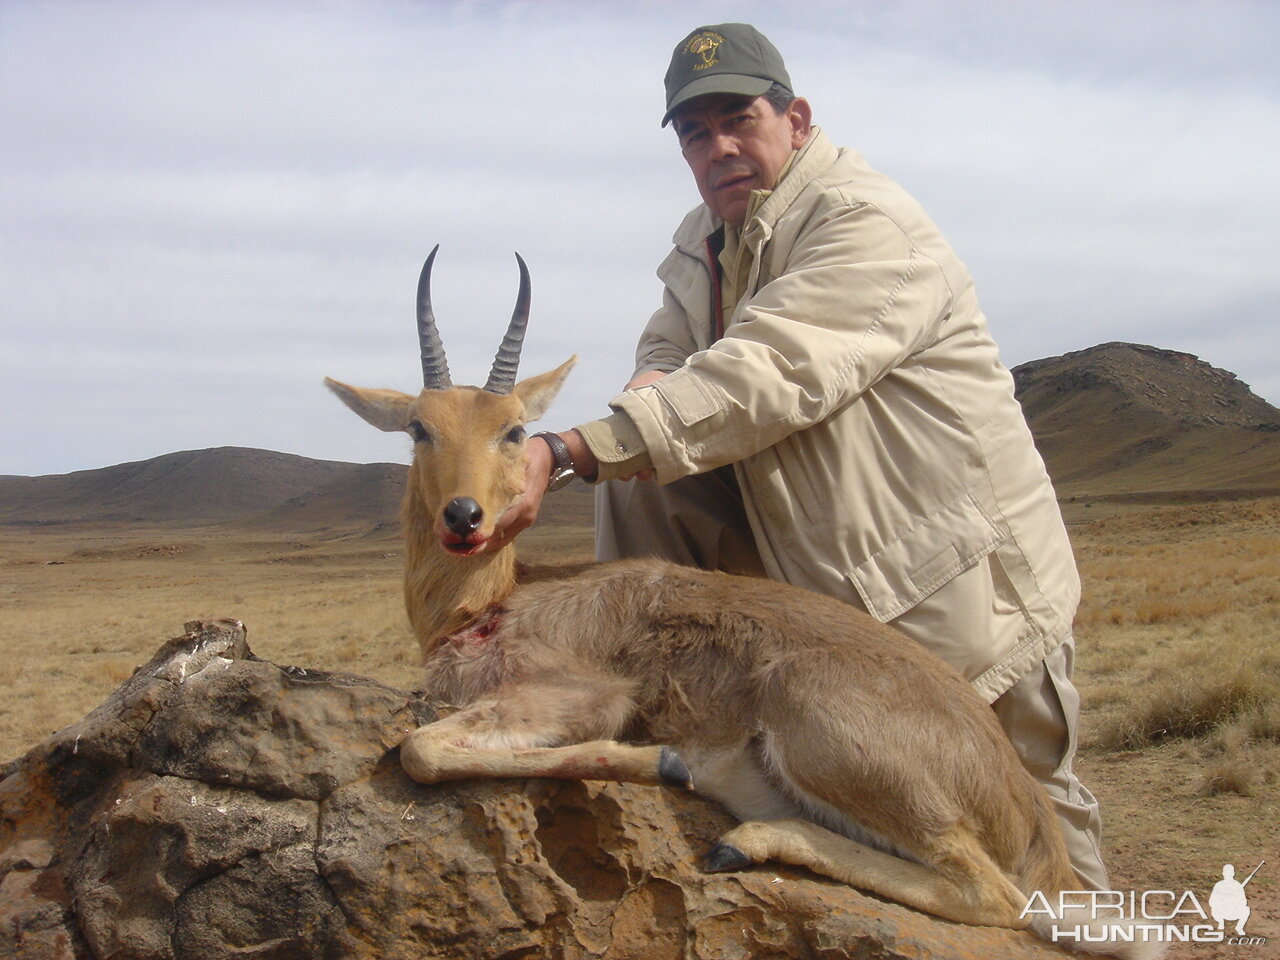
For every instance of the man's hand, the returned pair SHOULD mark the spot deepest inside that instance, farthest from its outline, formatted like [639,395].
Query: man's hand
[520,515]
[537,477]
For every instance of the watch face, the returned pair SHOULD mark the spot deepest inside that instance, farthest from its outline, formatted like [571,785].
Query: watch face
[561,478]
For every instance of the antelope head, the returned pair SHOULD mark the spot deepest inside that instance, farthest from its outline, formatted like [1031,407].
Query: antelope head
[468,442]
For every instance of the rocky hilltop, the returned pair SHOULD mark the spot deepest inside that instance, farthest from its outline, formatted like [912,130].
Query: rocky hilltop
[1130,418]
[1171,385]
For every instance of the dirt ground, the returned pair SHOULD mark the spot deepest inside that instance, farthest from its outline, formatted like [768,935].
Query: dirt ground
[1174,595]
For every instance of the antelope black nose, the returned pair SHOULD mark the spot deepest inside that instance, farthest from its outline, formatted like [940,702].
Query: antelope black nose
[462,515]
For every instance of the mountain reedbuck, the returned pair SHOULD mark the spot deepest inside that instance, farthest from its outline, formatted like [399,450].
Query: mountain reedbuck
[843,746]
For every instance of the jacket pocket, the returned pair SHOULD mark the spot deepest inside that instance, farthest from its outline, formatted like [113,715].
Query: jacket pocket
[902,573]
[691,400]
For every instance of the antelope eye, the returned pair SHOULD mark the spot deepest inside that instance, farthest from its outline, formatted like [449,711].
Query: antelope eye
[418,432]
[514,435]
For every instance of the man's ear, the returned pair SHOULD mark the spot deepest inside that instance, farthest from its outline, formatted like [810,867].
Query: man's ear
[801,116]
[385,409]
[536,393]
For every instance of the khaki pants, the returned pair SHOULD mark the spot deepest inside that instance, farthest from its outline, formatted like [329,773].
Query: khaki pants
[700,521]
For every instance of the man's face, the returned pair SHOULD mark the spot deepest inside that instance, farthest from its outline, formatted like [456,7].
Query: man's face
[737,144]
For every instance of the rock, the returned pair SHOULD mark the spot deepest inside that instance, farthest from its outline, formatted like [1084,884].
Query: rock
[217,805]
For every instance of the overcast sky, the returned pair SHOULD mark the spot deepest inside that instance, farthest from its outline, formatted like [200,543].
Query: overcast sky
[207,207]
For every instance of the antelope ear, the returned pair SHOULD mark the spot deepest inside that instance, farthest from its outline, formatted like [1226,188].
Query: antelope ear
[536,393]
[385,409]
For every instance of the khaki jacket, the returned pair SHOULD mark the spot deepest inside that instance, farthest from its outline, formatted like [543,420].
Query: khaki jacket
[873,430]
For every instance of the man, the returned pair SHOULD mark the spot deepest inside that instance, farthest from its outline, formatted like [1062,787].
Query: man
[820,402]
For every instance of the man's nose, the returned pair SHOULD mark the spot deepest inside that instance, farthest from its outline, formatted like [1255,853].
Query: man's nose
[723,145]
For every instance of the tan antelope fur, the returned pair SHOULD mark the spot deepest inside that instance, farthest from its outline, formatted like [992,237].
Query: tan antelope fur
[842,745]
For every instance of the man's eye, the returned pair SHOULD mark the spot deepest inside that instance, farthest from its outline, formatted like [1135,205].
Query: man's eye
[419,433]
[514,435]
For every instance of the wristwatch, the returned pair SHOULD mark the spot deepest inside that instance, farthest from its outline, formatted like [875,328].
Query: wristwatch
[562,468]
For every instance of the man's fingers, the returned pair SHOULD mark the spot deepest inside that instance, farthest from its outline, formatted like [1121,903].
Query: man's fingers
[520,516]
[514,520]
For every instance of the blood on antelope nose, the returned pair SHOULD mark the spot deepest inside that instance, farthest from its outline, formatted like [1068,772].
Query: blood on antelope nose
[462,515]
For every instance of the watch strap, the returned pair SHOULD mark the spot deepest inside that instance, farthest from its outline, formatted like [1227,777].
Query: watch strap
[562,467]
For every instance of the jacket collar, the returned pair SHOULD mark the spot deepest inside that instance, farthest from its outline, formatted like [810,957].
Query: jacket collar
[813,159]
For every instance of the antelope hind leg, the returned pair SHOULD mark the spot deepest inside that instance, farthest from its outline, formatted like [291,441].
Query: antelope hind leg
[967,888]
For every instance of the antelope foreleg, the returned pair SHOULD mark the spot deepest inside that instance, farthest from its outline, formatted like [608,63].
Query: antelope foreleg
[529,730]
[429,758]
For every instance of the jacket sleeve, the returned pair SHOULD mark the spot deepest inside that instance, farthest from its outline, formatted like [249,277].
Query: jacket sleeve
[853,300]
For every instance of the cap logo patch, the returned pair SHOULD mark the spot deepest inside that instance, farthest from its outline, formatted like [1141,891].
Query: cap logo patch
[707,46]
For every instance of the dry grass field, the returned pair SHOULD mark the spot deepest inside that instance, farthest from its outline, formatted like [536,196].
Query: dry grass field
[81,608]
[1179,659]
[1179,672]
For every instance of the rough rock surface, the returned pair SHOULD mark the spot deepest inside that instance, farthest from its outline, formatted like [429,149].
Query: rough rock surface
[217,805]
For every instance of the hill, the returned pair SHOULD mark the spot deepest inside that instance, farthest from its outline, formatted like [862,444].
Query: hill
[1119,419]
[369,495]
[1125,418]
[220,485]
[235,485]
[365,495]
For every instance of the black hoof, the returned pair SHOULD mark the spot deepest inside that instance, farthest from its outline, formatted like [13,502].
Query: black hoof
[672,771]
[725,856]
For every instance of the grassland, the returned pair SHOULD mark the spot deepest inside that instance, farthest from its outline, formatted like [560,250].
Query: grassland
[1178,663]
[1179,673]
[80,609]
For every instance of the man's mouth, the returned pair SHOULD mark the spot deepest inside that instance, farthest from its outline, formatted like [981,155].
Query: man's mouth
[734,180]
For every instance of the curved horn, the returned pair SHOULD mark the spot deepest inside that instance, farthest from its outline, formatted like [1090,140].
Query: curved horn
[435,368]
[502,378]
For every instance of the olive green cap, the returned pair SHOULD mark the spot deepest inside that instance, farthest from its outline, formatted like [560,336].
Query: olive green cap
[727,58]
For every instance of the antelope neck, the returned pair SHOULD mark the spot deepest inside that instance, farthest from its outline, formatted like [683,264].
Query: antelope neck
[480,631]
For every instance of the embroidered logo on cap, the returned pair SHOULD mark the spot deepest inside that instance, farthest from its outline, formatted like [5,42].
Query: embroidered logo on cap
[705,45]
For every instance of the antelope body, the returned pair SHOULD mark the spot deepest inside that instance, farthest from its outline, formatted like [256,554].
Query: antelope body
[842,745]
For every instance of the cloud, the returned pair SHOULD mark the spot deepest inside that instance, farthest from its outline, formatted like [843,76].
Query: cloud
[206,207]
